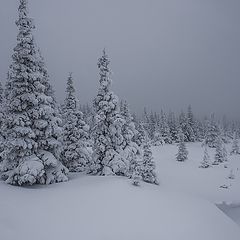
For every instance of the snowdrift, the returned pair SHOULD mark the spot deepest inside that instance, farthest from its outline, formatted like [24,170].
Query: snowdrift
[108,208]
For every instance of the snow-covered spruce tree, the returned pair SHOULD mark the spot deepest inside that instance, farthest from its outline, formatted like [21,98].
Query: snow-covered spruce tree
[199,132]
[227,134]
[182,154]
[141,134]
[74,154]
[157,138]
[147,166]
[172,123]
[212,133]
[107,131]
[235,146]
[186,128]
[32,130]
[128,130]
[164,128]
[220,155]
[206,159]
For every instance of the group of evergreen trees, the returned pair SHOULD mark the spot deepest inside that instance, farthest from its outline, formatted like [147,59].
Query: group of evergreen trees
[164,128]
[41,142]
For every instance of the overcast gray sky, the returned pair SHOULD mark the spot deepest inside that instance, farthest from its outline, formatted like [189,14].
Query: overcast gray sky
[165,53]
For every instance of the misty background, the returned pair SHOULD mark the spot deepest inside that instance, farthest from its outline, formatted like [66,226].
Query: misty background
[164,53]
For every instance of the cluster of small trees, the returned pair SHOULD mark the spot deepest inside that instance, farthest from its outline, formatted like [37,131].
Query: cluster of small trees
[41,142]
[221,152]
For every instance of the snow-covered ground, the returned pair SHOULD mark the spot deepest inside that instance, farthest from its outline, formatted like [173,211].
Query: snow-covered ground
[211,184]
[187,177]
[110,208]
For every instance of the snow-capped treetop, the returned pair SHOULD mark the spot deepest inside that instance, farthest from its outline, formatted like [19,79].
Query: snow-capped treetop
[71,102]
[106,101]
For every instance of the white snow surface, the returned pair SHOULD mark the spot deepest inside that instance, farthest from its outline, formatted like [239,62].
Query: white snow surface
[111,208]
[187,177]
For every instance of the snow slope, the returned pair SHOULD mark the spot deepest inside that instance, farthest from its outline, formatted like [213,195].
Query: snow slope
[108,208]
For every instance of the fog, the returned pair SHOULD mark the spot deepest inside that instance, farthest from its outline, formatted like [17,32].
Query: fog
[164,53]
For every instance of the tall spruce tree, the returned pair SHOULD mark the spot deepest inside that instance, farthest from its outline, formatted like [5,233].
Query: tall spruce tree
[75,154]
[164,128]
[186,128]
[32,129]
[182,154]
[107,131]
[212,133]
[172,123]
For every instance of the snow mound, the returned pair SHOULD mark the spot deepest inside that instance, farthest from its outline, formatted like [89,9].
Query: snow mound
[108,208]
